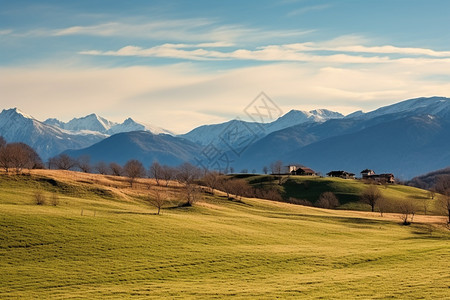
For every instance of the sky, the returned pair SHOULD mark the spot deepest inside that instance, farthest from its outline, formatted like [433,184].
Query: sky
[181,64]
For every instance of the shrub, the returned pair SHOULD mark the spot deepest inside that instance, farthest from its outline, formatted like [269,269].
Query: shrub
[39,198]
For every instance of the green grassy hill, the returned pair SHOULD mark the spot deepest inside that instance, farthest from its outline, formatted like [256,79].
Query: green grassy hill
[103,241]
[348,191]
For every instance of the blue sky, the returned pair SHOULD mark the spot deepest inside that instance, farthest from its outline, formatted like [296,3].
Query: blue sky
[180,64]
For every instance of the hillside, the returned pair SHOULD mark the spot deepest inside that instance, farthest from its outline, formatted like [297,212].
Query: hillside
[348,191]
[103,241]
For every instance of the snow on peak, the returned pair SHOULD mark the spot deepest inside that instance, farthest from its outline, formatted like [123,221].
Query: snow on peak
[15,112]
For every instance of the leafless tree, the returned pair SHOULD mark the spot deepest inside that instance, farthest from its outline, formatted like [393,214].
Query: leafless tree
[155,171]
[188,173]
[134,169]
[443,187]
[371,195]
[84,163]
[168,174]
[157,201]
[102,168]
[115,169]
[19,156]
[39,198]
[265,170]
[192,194]
[407,211]
[212,181]
[276,167]
[63,162]
[328,200]
[383,205]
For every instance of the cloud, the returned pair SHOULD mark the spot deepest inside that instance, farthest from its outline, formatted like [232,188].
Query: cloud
[308,9]
[182,96]
[334,52]
[5,31]
[190,30]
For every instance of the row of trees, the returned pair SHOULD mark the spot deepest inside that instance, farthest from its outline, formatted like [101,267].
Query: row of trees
[18,156]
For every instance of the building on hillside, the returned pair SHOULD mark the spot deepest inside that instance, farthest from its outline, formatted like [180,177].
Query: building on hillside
[381,178]
[299,170]
[341,174]
[366,173]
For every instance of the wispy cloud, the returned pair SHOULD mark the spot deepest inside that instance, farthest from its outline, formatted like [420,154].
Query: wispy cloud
[325,52]
[186,30]
[5,31]
[308,9]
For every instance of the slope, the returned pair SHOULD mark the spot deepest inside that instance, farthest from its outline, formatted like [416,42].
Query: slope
[117,248]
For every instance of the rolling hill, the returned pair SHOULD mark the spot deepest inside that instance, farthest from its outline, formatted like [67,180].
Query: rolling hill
[102,240]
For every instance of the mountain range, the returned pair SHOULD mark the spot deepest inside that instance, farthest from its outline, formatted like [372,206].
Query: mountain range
[408,138]
[51,137]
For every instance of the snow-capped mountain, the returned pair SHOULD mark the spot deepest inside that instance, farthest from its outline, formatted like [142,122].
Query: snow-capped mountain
[47,140]
[206,134]
[296,117]
[130,125]
[96,123]
[435,106]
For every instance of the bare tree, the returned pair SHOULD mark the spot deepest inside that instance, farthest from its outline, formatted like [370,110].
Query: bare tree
[155,171]
[188,173]
[443,187]
[39,198]
[383,205]
[212,181]
[168,174]
[276,167]
[192,194]
[102,168]
[297,201]
[371,195]
[407,211]
[63,162]
[328,200]
[84,163]
[19,156]
[115,169]
[134,169]
[265,170]
[157,201]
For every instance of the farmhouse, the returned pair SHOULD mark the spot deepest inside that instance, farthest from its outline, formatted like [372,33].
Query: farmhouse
[370,175]
[299,170]
[341,174]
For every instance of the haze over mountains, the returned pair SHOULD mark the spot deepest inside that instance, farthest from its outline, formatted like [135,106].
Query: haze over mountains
[408,139]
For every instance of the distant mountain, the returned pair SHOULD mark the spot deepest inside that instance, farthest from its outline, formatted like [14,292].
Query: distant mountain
[96,123]
[206,134]
[141,145]
[436,106]
[408,138]
[47,140]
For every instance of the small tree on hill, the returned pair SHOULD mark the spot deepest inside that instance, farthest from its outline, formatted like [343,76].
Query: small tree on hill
[102,168]
[212,181]
[328,200]
[84,163]
[156,171]
[371,195]
[134,169]
[407,210]
[115,169]
[157,201]
[63,162]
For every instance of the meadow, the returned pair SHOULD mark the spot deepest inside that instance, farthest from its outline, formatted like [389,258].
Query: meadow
[102,240]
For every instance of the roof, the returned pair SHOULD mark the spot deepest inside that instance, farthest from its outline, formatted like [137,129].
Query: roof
[306,170]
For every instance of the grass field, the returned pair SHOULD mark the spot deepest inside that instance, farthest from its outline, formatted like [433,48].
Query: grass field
[348,191]
[103,241]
